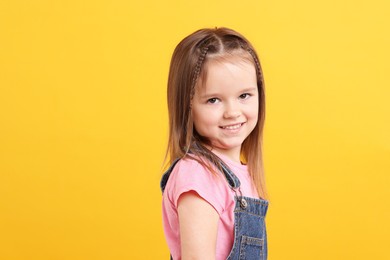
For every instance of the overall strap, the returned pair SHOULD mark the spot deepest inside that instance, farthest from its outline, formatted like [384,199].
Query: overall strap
[166,175]
[231,178]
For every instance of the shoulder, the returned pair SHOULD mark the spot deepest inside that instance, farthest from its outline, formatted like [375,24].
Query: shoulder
[190,174]
[188,165]
[193,172]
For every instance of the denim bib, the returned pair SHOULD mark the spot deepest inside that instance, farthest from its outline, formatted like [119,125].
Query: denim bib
[250,235]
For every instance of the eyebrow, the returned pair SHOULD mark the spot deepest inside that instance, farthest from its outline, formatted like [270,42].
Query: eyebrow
[217,94]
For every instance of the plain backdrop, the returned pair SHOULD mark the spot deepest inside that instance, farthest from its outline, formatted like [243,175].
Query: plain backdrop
[83,124]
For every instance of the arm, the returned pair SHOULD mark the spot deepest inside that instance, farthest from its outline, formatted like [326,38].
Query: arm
[198,222]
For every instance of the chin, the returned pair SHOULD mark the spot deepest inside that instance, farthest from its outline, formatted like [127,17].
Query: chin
[227,147]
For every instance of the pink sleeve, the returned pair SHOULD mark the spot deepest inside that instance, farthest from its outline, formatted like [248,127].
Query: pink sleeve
[189,175]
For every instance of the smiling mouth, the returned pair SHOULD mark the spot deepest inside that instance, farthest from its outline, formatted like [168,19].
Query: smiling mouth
[232,127]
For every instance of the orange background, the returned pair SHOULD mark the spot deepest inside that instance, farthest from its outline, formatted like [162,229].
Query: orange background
[84,124]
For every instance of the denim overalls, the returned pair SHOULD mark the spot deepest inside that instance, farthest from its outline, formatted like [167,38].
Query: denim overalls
[250,236]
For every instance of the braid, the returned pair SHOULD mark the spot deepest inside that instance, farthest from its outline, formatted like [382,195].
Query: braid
[244,45]
[258,67]
[198,68]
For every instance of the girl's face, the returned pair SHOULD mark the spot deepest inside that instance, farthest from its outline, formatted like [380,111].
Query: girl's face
[225,106]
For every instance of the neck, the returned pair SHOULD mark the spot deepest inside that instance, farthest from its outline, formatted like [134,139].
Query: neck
[233,155]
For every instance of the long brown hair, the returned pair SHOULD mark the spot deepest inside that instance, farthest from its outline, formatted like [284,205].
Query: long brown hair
[187,68]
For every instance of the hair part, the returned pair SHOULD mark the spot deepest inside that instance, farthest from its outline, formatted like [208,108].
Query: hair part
[188,68]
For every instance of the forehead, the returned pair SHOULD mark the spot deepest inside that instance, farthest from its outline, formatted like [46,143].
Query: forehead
[224,72]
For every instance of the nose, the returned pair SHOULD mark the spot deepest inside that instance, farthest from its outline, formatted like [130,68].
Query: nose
[232,110]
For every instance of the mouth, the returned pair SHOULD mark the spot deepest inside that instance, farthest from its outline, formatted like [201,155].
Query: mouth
[232,127]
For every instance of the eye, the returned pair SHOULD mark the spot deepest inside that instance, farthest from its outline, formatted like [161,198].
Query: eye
[245,96]
[213,100]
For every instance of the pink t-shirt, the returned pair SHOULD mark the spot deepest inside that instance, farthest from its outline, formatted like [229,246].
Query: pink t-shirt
[189,175]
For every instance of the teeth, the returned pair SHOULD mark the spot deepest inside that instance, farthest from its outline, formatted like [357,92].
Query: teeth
[232,127]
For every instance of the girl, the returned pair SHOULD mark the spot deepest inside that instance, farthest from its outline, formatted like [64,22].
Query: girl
[214,192]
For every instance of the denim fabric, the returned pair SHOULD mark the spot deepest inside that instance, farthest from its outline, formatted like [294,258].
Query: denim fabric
[250,235]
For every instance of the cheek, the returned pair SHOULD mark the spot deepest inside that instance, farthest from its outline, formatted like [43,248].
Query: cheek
[204,120]
[253,111]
